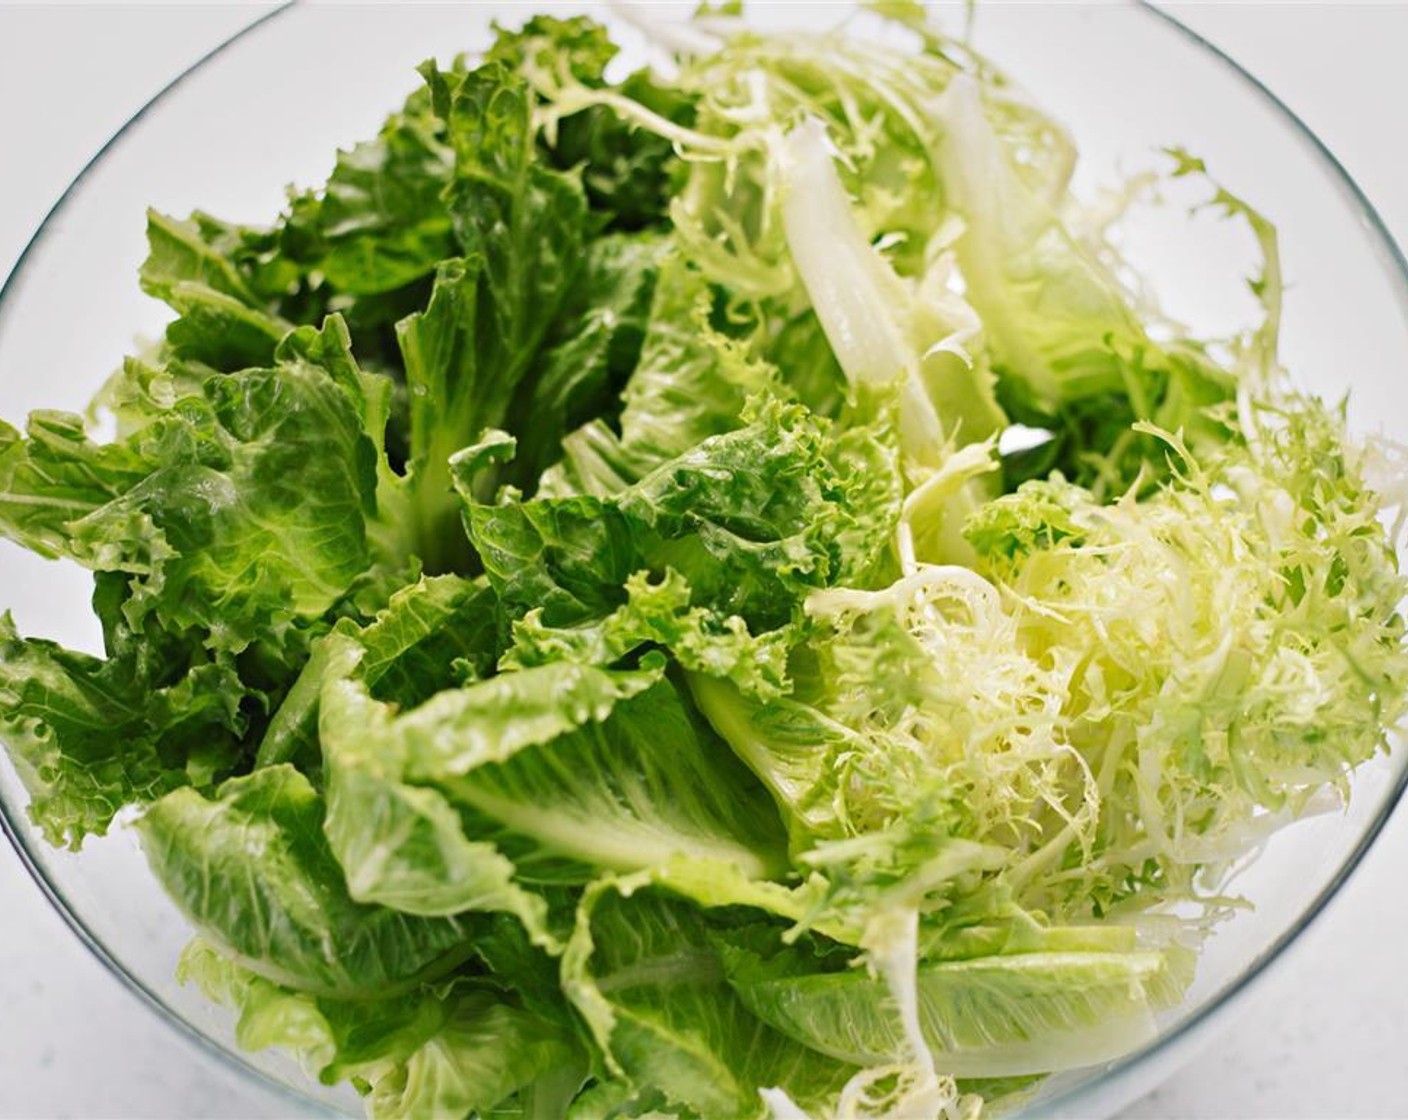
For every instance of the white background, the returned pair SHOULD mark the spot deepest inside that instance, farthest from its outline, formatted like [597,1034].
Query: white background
[1326,1036]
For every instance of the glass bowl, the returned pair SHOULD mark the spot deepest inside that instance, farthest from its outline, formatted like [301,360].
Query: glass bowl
[270,106]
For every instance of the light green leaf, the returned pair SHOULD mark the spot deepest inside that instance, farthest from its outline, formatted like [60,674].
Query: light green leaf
[252,869]
[985,1017]
[636,790]
[486,1052]
[643,972]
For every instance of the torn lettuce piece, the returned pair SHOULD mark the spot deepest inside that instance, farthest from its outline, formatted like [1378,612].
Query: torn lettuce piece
[659,613]
[451,1050]
[521,229]
[915,703]
[1000,1016]
[627,173]
[478,786]
[691,382]
[235,517]
[566,762]
[646,786]
[592,352]
[239,508]
[644,974]
[253,871]
[89,736]
[753,519]
[401,844]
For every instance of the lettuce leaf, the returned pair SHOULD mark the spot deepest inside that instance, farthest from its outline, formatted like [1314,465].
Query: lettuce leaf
[644,974]
[461,1051]
[557,762]
[252,870]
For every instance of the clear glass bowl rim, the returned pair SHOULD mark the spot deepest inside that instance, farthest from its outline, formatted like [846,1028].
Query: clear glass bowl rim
[1067,1102]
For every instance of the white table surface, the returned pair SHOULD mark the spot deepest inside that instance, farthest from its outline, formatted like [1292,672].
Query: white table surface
[1325,1036]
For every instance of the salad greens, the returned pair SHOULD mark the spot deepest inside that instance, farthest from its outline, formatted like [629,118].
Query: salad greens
[578,642]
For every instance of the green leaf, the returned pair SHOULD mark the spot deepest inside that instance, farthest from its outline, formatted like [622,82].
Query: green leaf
[223,321]
[562,761]
[789,747]
[486,1053]
[628,172]
[252,870]
[526,222]
[747,517]
[54,474]
[594,347]
[256,506]
[637,789]
[332,1038]
[454,394]
[753,519]
[660,613]
[233,515]
[691,382]
[431,634]
[644,974]
[183,252]
[488,721]
[522,230]
[567,558]
[236,511]
[999,1016]
[578,45]
[1039,515]
[440,627]
[795,343]
[457,1052]
[381,222]
[89,736]
[401,841]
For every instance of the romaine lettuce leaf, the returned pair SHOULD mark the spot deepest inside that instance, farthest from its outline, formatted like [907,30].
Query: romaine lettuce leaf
[752,518]
[379,224]
[564,758]
[253,871]
[691,381]
[234,518]
[457,1051]
[998,1016]
[88,736]
[222,321]
[644,974]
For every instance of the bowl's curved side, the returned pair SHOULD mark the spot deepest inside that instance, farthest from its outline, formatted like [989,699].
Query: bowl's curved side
[1393,253]
[161,95]
[16,832]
